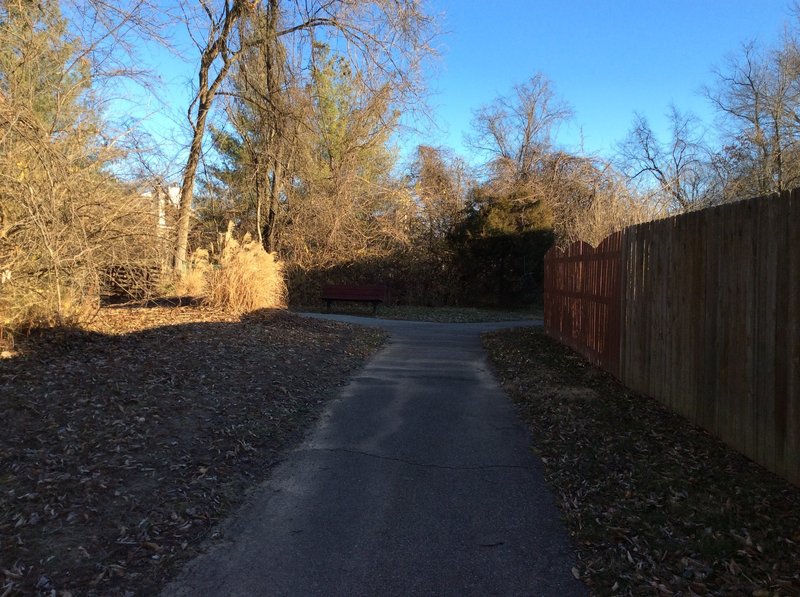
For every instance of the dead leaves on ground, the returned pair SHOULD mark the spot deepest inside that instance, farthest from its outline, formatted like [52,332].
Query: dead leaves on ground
[123,445]
[655,506]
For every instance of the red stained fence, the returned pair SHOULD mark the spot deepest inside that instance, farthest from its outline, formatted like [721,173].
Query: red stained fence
[583,299]
[700,311]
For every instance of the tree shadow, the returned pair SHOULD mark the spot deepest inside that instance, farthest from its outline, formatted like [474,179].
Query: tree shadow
[121,447]
[124,302]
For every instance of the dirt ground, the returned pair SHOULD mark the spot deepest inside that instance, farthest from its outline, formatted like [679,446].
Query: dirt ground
[655,506]
[123,445]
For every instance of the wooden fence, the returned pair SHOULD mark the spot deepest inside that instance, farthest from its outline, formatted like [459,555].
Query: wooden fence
[582,295]
[709,321]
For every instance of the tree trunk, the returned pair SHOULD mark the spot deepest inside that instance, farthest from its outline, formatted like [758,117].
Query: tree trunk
[271,225]
[219,35]
[187,189]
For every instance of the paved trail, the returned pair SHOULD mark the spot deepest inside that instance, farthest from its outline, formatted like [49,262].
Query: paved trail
[418,480]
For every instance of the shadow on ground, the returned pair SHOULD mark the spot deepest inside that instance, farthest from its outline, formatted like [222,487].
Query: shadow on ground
[123,446]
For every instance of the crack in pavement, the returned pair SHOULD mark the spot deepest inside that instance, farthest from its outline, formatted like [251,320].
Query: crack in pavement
[420,464]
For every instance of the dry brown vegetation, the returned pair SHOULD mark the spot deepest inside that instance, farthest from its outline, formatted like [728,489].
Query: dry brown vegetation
[124,444]
[302,157]
[127,439]
[235,277]
[62,220]
[248,279]
[64,217]
[655,506]
[302,161]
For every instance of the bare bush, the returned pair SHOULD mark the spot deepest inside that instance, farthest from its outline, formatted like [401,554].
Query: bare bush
[592,200]
[534,185]
[62,221]
[64,216]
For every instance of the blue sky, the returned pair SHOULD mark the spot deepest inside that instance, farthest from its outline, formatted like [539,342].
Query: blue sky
[608,59]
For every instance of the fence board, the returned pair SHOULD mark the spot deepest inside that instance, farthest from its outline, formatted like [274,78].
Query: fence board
[712,309]
[700,311]
[791,344]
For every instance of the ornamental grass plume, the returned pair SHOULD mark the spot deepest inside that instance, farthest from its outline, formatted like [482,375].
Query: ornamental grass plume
[246,278]
[194,281]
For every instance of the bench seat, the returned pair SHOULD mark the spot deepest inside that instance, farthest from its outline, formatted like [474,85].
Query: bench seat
[363,293]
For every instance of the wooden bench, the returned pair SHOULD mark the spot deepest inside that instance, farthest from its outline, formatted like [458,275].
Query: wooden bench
[364,293]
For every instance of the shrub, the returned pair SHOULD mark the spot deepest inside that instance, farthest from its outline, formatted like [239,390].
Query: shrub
[65,216]
[245,278]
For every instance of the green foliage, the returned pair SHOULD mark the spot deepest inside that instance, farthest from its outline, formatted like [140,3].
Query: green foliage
[503,270]
[352,123]
[308,162]
[41,67]
[492,215]
[333,95]
[226,196]
[255,144]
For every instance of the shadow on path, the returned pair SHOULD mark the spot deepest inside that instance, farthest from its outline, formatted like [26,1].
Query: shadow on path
[418,480]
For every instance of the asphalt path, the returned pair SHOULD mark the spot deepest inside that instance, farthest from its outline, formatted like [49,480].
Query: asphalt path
[418,480]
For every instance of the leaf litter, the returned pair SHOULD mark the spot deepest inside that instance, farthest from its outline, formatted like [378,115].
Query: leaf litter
[655,505]
[124,444]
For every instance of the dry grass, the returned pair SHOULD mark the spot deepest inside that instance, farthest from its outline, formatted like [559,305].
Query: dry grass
[24,307]
[248,278]
[194,281]
[237,278]
[191,283]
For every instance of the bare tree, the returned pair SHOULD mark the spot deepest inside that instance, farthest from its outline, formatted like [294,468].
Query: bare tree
[63,214]
[516,131]
[346,189]
[441,182]
[758,96]
[680,168]
[217,55]
[268,82]
[516,134]
[385,38]
[593,200]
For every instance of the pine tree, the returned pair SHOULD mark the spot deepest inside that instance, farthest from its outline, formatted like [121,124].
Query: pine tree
[42,73]
[257,145]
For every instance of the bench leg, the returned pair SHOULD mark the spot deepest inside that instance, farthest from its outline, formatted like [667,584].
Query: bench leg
[374,308]
[328,303]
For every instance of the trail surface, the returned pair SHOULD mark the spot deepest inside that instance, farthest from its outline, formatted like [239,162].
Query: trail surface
[418,480]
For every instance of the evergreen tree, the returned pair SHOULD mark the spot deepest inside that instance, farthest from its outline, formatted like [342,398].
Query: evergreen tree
[42,72]
[306,165]
[257,144]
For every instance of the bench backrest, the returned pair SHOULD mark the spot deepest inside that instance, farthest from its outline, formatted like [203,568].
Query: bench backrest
[350,292]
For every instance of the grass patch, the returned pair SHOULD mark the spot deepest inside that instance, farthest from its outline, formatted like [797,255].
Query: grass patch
[655,505]
[432,314]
